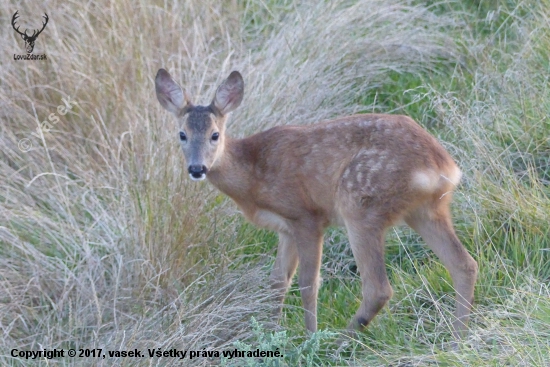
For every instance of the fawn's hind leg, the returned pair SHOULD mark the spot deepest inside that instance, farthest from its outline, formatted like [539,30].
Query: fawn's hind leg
[435,226]
[366,236]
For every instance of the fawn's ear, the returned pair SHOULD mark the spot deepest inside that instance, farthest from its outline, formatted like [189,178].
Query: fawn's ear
[229,94]
[169,93]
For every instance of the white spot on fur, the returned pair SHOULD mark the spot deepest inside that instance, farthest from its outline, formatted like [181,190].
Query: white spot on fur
[367,184]
[346,173]
[391,166]
[369,152]
[377,166]
[380,125]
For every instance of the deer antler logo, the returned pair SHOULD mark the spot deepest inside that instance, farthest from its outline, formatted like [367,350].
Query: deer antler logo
[29,40]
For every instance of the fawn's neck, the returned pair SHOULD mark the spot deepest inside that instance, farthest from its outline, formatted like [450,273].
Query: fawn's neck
[233,172]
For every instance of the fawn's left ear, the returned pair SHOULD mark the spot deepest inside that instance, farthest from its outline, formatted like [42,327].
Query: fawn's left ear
[170,95]
[229,94]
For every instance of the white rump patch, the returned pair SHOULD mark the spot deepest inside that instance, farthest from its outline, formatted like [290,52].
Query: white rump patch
[454,176]
[429,181]
[425,180]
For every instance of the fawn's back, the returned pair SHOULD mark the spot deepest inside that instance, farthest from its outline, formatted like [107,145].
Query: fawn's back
[370,159]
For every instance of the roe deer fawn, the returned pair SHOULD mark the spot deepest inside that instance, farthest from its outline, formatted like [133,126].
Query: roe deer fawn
[366,172]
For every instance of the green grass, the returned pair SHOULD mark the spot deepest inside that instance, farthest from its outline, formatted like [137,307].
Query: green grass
[104,242]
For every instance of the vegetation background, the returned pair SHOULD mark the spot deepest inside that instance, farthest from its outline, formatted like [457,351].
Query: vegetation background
[106,243]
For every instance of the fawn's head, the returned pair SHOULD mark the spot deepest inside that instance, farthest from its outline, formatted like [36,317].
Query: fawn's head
[202,128]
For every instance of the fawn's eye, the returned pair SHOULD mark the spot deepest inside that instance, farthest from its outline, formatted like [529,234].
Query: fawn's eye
[215,136]
[183,137]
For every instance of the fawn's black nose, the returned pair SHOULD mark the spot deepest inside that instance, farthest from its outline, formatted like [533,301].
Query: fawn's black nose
[197,171]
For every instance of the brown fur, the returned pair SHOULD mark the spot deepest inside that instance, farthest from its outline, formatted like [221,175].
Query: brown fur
[366,172]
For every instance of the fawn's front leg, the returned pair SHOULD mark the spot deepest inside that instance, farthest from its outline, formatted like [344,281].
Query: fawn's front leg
[283,269]
[309,241]
[304,243]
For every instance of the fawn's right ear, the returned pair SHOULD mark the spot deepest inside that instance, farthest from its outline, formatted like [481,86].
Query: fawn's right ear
[169,93]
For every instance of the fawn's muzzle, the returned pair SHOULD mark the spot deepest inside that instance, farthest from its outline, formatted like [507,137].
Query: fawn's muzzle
[197,172]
